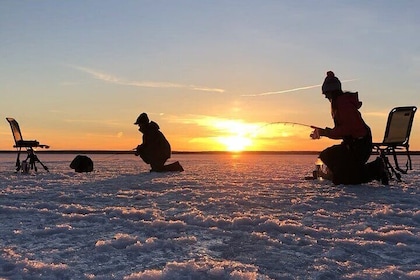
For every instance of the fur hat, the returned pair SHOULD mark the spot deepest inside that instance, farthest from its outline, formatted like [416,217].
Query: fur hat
[331,83]
[142,119]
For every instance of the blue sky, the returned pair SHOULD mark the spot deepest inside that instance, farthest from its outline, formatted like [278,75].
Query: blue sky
[76,74]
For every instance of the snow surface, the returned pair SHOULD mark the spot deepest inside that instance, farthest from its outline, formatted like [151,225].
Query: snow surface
[226,217]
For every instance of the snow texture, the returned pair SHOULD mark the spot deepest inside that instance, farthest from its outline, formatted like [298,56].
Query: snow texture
[226,216]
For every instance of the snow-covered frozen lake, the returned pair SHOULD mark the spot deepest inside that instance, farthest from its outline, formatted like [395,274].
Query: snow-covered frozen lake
[224,217]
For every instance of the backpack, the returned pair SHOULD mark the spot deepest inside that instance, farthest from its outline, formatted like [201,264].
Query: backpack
[82,164]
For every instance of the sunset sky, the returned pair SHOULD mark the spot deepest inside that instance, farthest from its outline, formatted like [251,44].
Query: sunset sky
[212,74]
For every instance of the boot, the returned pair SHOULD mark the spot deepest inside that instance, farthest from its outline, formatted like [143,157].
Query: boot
[377,171]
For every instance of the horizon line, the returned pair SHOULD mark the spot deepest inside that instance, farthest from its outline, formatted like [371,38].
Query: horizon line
[290,152]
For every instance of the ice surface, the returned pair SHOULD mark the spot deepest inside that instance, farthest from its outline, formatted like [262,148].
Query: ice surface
[224,217]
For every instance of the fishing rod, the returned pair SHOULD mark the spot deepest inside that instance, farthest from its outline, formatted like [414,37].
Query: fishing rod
[292,123]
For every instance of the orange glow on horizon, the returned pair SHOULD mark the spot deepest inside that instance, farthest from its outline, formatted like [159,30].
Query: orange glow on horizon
[237,135]
[197,133]
[235,143]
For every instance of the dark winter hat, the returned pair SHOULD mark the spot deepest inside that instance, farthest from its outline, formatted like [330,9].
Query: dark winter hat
[331,83]
[142,119]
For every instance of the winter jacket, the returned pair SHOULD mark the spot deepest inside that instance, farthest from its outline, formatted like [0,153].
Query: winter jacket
[155,147]
[348,122]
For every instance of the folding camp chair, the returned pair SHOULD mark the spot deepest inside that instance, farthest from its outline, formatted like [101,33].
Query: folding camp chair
[29,145]
[397,136]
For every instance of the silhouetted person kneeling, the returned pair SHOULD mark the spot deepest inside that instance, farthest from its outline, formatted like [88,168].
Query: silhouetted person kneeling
[346,161]
[155,149]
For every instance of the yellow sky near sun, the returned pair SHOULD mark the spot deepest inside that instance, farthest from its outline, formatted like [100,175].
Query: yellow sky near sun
[184,132]
[187,132]
[201,133]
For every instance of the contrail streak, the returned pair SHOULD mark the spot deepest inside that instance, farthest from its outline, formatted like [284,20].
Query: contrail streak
[291,90]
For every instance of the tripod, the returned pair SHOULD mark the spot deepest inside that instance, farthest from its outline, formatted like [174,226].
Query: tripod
[29,162]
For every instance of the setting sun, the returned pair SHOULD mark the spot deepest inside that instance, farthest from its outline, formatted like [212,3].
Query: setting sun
[237,135]
[235,143]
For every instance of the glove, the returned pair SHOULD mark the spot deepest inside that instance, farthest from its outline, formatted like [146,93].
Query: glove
[318,132]
[315,134]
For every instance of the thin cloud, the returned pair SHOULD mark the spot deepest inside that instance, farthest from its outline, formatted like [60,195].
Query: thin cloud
[120,81]
[290,90]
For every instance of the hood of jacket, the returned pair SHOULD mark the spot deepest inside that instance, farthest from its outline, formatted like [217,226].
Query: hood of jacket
[352,98]
[153,125]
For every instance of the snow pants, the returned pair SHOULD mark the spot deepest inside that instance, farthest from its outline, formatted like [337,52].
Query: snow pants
[347,161]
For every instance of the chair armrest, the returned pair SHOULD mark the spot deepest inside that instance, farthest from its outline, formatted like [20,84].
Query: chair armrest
[27,143]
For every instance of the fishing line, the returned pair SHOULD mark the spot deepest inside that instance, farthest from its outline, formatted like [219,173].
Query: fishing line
[290,123]
[115,155]
[281,123]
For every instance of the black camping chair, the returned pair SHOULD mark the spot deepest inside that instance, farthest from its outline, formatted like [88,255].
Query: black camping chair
[397,136]
[29,145]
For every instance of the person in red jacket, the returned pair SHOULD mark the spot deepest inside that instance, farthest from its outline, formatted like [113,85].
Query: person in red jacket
[346,161]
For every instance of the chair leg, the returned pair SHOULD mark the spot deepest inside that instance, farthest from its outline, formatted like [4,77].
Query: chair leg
[390,169]
[408,164]
[397,166]
[18,165]
[409,160]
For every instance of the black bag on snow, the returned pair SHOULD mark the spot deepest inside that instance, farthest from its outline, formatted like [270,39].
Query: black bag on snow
[82,164]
